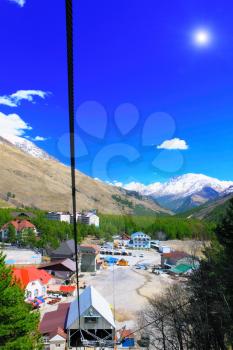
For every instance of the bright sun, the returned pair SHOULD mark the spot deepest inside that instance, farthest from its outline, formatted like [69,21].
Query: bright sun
[202,37]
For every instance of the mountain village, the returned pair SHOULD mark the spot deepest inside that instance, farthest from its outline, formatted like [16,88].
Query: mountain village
[133,267]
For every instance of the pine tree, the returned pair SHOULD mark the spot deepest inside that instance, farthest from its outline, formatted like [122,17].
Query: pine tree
[18,324]
[11,233]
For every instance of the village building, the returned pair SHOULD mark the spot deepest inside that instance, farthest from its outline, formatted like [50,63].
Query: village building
[63,269]
[96,320]
[52,328]
[121,241]
[90,259]
[164,249]
[90,218]
[21,228]
[87,218]
[172,259]
[33,281]
[140,240]
[66,250]
[59,216]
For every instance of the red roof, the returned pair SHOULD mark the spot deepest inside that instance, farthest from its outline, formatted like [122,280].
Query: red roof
[175,255]
[55,321]
[28,274]
[19,225]
[67,289]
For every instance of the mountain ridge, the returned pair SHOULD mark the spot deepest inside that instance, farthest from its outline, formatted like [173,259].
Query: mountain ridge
[184,192]
[40,181]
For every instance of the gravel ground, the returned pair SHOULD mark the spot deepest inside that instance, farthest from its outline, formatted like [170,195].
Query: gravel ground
[131,288]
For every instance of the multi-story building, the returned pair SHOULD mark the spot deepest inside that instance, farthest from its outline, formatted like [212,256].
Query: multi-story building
[90,219]
[59,216]
[87,218]
[140,240]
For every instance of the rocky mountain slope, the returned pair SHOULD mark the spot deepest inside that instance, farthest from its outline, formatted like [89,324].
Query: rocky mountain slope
[212,210]
[30,177]
[184,192]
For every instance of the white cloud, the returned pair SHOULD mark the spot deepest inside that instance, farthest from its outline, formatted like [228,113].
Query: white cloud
[5,100]
[39,138]
[14,100]
[21,3]
[175,143]
[12,125]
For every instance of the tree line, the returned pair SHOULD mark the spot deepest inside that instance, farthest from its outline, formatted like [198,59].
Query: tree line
[51,233]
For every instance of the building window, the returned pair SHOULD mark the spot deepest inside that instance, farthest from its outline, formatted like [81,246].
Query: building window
[91,319]
[45,339]
[28,294]
[36,293]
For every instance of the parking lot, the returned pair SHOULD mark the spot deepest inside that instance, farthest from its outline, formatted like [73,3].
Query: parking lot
[128,288]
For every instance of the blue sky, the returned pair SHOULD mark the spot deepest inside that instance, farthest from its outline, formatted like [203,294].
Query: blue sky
[141,80]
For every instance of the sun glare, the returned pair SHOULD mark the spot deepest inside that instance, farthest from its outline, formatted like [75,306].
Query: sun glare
[202,37]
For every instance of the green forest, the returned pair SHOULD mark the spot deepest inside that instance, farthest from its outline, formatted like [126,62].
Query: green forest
[51,233]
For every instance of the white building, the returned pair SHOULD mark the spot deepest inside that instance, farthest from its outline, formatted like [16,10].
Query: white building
[90,219]
[96,319]
[33,281]
[87,218]
[59,216]
[140,240]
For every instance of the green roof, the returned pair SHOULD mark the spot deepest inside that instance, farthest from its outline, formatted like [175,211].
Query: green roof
[182,268]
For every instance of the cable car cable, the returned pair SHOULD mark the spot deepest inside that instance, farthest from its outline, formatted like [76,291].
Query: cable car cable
[70,68]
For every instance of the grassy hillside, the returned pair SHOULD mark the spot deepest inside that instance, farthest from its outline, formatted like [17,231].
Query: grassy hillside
[211,211]
[46,184]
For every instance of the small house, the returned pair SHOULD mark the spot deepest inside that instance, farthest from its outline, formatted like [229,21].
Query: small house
[61,268]
[164,249]
[33,281]
[66,250]
[52,328]
[21,227]
[89,257]
[96,319]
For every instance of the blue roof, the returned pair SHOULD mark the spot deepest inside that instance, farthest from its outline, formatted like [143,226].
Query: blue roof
[110,259]
[135,234]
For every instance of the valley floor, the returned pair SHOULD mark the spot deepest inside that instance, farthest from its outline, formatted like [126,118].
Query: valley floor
[131,288]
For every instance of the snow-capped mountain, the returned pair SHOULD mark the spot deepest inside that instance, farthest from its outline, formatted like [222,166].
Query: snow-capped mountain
[183,192]
[26,146]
